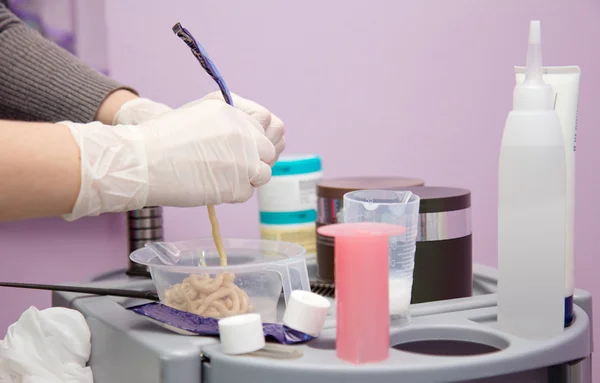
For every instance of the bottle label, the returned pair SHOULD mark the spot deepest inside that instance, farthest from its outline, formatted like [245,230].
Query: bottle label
[284,194]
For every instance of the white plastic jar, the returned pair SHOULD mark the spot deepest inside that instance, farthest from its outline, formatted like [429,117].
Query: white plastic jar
[288,202]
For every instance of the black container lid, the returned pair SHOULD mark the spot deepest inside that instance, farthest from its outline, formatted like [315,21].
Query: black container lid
[436,199]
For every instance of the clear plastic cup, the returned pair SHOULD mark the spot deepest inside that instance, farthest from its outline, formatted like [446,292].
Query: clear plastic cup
[261,269]
[397,208]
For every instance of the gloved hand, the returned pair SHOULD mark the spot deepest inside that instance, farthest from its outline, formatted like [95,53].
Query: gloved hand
[142,109]
[204,154]
[272,125]
[138,110]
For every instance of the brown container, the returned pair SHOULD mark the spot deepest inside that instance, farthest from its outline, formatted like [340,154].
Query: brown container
[330,194]
[443,256]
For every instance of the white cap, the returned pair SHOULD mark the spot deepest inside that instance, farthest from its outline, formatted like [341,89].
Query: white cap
[534,93]
[306,312]
[241,334]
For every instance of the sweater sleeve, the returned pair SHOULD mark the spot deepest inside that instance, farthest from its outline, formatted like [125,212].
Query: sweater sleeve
[40,81]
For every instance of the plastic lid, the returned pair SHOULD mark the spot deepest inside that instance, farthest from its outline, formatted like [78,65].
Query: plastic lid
[300,164]
[306,312]
[241,334]
[534,93]
[336,187]
[361,229]
[435,199]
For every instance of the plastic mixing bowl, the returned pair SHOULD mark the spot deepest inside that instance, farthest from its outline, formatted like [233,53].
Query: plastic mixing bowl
[262,269]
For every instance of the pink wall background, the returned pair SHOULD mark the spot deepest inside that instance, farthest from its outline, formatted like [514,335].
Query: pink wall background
[380,87]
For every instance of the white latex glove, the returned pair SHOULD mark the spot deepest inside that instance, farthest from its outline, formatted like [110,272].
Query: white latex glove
[204,154]
[138,110]
[48,346]
[273,127]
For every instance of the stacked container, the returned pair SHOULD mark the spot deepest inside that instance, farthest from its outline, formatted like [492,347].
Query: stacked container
[288,203]
[330,210]
[145,225]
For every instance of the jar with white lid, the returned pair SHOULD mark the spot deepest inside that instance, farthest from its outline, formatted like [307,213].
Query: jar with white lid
[288,202]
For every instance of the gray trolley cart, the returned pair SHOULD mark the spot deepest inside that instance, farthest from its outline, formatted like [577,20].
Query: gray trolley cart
[448,341]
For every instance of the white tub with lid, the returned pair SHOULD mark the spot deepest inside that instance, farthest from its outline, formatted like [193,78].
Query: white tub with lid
[293,186]
[288,202]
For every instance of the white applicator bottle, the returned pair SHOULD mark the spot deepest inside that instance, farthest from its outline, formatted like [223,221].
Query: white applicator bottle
[532,208]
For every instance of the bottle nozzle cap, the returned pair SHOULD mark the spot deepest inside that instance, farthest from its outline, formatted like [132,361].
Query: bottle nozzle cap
[534,93]
[534,55]
[535,32]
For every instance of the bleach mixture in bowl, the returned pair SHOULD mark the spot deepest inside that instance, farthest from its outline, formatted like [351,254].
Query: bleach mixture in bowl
[203,295]
[215,297]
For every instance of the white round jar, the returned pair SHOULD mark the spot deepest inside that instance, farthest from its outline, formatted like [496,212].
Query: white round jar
[288,202]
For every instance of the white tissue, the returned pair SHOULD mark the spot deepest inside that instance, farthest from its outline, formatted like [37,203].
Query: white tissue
[48,346]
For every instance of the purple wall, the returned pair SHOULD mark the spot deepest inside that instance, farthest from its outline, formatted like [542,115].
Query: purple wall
[381,87]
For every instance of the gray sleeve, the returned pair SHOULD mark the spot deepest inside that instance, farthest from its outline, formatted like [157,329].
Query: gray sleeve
[40,81]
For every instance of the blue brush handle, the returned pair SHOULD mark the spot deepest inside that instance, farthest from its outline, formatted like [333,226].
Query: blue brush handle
[204,60]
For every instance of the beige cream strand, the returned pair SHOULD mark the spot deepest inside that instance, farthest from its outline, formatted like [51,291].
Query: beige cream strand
[216,234]
[215,297]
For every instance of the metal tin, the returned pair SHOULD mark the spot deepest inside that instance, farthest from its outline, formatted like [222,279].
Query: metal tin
[147,212]
[144,226]
[330,194]
[137,234]
[145,223]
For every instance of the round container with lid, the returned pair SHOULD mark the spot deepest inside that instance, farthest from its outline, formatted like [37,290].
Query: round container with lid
[288,202]
[443,256]
[330,195]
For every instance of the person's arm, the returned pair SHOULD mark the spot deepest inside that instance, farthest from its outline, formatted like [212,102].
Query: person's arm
[113,103]
[40,170]
[205,154]
[40,81]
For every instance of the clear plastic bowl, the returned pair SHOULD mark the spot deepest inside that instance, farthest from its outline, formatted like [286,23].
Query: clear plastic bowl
[262,269]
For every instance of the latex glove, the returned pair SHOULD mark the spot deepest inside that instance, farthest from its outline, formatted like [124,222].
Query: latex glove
[48,346]
[273,127]
[139,110]
[204,154]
